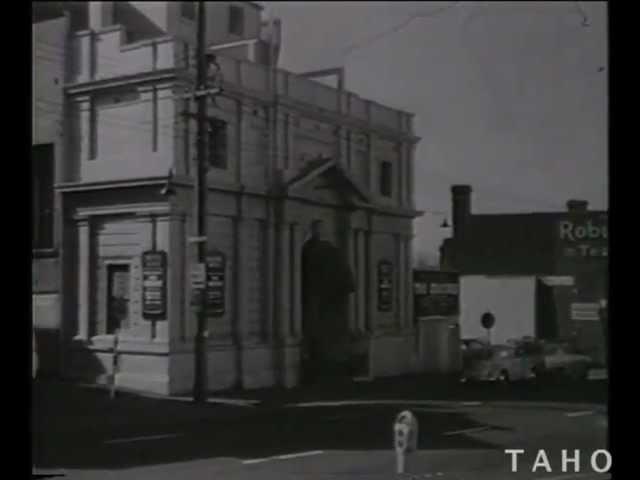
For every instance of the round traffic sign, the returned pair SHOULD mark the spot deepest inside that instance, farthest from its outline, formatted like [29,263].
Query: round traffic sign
[488,320]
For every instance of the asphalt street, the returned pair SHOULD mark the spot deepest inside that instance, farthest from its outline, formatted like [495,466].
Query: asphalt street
[334,438]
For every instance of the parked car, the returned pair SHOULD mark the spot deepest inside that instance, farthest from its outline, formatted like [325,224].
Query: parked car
[473,348]
[501,363]
[533,349]
[563,360]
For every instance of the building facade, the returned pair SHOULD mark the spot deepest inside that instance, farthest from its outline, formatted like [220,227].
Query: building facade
[113,117]
[542,275]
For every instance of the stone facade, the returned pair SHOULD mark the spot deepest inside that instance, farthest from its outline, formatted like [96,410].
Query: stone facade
[295,151]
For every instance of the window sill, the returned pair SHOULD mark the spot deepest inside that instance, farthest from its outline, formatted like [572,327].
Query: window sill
[44,253]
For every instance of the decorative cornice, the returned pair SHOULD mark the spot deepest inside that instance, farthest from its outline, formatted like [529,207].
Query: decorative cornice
[167,74]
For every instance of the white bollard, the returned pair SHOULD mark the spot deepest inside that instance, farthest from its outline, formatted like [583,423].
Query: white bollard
[405,431]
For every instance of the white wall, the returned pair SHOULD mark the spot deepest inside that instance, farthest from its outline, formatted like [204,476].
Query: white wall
[510,299]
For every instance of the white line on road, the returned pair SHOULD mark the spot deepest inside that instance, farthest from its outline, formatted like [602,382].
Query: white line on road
[282,457]
[580,414]
[468,430]
[139,439]
[470,404]
[297,455]
[256,460]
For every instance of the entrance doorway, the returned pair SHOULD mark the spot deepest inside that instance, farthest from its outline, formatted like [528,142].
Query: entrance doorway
[326,284]
[118,308]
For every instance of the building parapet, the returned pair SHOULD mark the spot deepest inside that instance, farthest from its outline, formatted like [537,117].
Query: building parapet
[104,54]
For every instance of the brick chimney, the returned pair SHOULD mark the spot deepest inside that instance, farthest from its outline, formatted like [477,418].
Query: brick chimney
[577,206]
[461,205]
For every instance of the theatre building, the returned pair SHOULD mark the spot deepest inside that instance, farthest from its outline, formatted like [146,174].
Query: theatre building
[304,180]
[543,275]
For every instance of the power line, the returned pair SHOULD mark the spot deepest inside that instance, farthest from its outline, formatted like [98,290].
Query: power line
[397,28]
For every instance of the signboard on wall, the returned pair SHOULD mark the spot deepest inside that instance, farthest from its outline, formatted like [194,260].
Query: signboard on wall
[154,284]
[585,311]
[215,284]
[435,293]
[583,238]
[385,286]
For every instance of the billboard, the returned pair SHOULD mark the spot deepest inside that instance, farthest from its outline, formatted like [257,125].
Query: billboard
[582,238]
[435,293]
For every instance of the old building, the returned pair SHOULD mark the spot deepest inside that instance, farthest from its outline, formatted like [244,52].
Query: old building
[113,116]
[543,274]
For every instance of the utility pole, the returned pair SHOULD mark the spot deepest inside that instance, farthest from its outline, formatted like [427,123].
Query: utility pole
[200,367]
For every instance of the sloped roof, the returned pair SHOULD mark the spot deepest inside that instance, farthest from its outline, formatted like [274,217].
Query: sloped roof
[508,243]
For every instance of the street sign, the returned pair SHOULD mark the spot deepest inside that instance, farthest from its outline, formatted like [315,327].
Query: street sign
[154,284]
[198,276]
[488,320]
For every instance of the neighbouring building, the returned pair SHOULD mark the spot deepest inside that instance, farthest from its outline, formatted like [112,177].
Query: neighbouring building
[543,275]
[113,252]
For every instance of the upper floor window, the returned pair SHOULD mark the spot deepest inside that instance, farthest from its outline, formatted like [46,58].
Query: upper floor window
[42,179]
[188,10]
[386,176]
[236,20]
[218,144]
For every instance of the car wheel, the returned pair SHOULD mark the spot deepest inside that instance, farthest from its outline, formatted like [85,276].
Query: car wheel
[503,377]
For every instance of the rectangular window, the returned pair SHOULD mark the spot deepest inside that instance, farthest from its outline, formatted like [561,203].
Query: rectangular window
[386,177]
[42,180]
[236,20]
[188,10]
[218,144]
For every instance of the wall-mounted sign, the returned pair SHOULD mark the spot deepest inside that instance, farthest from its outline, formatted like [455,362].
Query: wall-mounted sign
[435,293]
[154,284]
[584,238]
[585,311]
[385,286]
[215,284]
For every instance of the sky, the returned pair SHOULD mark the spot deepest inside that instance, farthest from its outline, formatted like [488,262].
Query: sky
[508,97]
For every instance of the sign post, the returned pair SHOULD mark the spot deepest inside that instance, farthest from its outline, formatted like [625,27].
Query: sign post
[488,321]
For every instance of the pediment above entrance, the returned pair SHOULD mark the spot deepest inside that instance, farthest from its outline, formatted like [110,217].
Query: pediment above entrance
[326,181]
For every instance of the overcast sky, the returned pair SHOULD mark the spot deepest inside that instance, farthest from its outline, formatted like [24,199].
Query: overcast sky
[508,96]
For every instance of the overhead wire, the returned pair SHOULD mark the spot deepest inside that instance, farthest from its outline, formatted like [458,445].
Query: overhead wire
[396,28]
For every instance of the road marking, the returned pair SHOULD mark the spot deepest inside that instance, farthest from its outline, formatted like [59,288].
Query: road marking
[282,457]
[468,430]
[580,414]
[139,439]
[470,404]
[256,460]
[297,455]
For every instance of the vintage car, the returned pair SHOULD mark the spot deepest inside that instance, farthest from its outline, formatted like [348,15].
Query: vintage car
[471,349]
[502,363]
[564,361]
